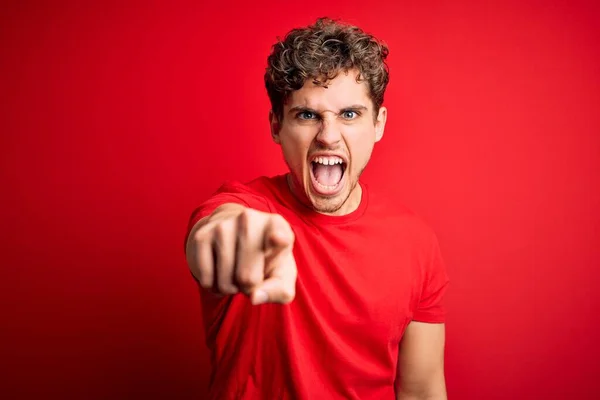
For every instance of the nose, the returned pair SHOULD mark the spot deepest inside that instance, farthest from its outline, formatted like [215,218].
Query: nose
[329,134]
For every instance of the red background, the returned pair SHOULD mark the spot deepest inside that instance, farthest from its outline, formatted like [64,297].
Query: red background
[118,119]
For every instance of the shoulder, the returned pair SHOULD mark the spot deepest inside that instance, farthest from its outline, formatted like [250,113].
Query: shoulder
[266,186]
[260,192]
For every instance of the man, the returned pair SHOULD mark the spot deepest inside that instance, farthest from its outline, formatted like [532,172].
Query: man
[313,285]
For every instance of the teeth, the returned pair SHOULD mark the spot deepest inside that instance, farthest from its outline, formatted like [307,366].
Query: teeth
[328,160]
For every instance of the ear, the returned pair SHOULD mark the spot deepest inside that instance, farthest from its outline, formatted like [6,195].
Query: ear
[380,123]
[275,127]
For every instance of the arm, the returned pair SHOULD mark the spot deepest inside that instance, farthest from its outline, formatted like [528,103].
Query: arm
[421,363]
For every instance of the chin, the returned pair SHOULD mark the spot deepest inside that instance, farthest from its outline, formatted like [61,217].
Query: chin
[331,204]
[326,206]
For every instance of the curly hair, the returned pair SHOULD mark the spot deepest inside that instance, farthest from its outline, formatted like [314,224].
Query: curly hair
[320,52]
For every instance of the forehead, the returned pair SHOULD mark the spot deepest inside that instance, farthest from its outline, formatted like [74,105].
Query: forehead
[338,93]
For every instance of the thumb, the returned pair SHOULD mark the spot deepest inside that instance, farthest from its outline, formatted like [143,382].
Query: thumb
[274,290]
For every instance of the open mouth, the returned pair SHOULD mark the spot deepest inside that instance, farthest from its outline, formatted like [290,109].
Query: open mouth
[327,174]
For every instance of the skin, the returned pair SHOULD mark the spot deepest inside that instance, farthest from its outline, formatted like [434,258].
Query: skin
[237,249]
[338,119]
[421,363]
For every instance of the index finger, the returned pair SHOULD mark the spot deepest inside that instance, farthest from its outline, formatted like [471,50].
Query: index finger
[278,235]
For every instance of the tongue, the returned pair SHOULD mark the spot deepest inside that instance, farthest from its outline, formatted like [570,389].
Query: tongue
[328,175]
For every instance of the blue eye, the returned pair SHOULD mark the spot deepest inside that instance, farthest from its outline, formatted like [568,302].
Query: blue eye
[349,114]
[307,115]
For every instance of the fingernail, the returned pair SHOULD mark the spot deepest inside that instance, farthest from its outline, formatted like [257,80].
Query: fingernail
[260,296]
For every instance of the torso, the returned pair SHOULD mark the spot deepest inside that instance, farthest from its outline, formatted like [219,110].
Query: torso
[359,279]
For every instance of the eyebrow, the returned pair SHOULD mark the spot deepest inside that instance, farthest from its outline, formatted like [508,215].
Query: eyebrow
[352,107]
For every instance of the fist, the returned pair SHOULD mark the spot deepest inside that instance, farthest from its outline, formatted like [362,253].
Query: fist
[244,251]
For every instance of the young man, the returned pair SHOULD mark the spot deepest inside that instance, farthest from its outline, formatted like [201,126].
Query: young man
[313,285]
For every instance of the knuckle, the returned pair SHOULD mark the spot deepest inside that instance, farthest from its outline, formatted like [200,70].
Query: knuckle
[220,229]
[201,273]
[203,277]
[243,276]
[247,277]
[226,288]
[244,222]
[218,232]
[204,281]
[282,223]
[201,235]
[228,223]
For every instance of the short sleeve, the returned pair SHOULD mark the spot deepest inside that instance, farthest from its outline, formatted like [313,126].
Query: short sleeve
[229,192]
[431,307]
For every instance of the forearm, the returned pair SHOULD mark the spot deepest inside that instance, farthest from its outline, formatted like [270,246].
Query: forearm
[403,395]
[432,388]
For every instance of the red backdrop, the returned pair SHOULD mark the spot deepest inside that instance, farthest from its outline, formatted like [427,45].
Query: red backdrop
[118,119]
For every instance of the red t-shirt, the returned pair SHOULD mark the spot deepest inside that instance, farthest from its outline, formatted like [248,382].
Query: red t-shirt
[362,278]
